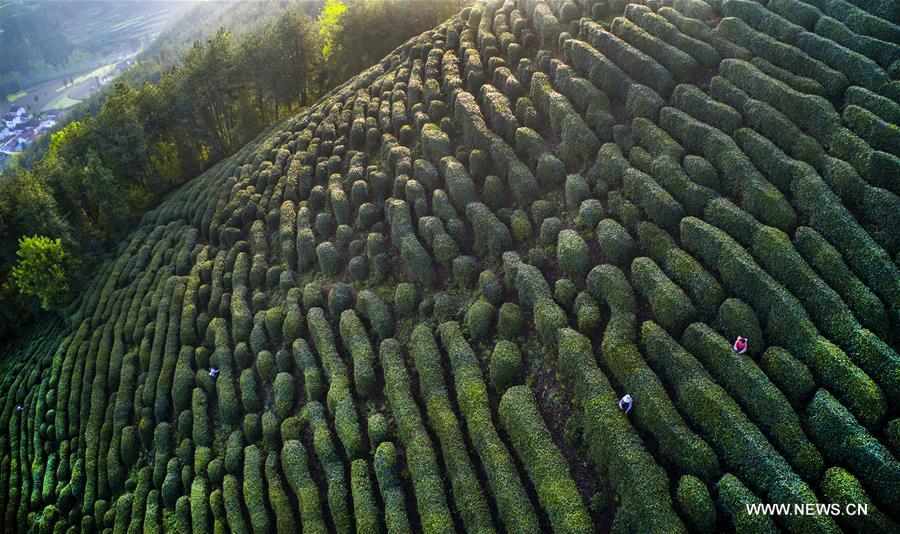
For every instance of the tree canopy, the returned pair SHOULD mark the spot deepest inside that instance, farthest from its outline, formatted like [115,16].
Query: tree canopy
[41,270]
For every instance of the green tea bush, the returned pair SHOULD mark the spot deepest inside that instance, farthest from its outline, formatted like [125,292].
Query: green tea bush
[764,403]
[306,249]
[490,287]
[702,287]
[353,335]
[840,487]
[743,447]
[340,298]
[505,366]
[638,65]
[701,171]
[544,463]
[376,312]
[296,471]
[828,310]
[576,190]
[601,71]
[424,473]
[734,498]
[284,394]
[510,321]
[656,413]
[499,114]
[615,242]
[480,320]
[493,192]
[696,504]
[882,106]
[667,301]
[253,490]
[572,254]
[435,143]
[789,374]
[467,492]
[590,213]
[799,83]
[460,187]
[365,511]
[682,66]
[641,485]
[829,264]
[783,55]
[339,401]
[378,429]
[548,318]
[520,226]
[279,498]
[332,466]
[655,139]
[330,261]
[231,493]
[512,502]
[833,220]
[697,104]
[550,229]
[564,292]
[756,195]
[465,271]
[735,319]
[492,237]
[578,140]
[658,204]
[786,321]
[624,211]
[405,299]
[391,487]
[846,441]
[697,29]
[403,235]
[705,54]
[292,326]
[306,362]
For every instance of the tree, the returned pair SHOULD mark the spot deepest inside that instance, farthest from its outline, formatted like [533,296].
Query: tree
[298,50]
[358,33]
[120,132]
[26,205]
[330,19]
[41,270]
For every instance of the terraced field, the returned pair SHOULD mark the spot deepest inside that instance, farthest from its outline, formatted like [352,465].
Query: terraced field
[425,294]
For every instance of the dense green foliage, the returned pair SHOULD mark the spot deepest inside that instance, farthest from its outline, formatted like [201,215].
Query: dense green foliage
[155,130]
[42,40]
[40,270]
[426,293]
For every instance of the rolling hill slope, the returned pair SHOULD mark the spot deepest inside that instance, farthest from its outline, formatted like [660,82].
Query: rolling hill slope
[424,295]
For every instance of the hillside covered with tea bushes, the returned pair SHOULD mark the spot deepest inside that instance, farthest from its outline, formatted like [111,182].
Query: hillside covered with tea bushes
[423,296]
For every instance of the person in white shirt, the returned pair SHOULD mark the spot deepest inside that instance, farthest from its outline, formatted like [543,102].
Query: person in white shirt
[626,403]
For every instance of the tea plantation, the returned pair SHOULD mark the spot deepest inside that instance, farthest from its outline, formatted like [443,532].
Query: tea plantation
[425,294]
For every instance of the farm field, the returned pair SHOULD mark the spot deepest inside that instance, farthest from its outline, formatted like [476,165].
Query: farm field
[114,27]
[16,96]
[55,95]
[415,305]
[85,35]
